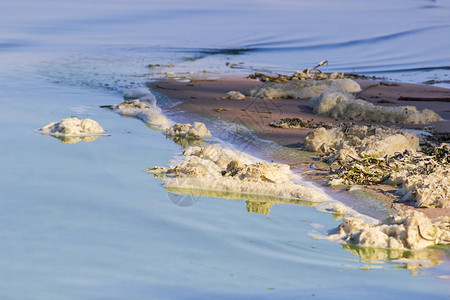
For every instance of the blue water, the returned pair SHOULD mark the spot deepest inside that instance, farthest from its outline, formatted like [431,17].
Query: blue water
[84,220]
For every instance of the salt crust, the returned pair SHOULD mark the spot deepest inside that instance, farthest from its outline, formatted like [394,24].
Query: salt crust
[150,114]
[408,230]
[214,168]
[346,106]
[197,131]
[303,88]
[142,94]
[349,141]
[73,127]
[233,95]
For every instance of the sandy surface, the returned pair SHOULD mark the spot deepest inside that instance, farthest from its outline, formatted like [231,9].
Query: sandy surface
[203,97]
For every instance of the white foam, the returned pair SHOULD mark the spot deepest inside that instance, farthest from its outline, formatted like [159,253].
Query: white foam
[214,168]
[72,127]
[345,106]
[349,142]
[233,95]
[150,114]
[196,131]
[142,94]
[303,88]
[408,230]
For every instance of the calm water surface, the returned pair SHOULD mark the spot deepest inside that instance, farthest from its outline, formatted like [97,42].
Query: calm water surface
[84,220]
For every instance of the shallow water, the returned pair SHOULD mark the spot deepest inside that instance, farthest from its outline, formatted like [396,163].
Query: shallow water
[84,220]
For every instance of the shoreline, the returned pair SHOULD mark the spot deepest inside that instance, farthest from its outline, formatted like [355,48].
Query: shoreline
[202,97]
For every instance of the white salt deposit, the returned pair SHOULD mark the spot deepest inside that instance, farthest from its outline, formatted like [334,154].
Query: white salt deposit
[233,95]
[150,114]
[353,141]
[344,106]
[303,88]
[214,168]
[72,127]
[197,131]
[408,230]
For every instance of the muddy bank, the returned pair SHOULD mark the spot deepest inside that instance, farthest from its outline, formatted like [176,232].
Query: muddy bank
[204,97]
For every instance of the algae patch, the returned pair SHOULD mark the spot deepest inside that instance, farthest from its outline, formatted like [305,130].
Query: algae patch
[299,123]
[376,154]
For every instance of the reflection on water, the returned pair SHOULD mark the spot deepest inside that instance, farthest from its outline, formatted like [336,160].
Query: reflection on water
[260,204]
[401,259]
[185,142]
[75,139]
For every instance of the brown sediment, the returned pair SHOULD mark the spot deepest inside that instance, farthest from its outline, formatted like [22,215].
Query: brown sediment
[200,97]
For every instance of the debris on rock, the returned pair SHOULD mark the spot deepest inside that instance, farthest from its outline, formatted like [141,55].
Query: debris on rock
[423,178]
[299,123]
[304,75]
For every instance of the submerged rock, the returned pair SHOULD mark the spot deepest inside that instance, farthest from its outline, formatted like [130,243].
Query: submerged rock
[150,114]
[345,106]
[303,88]
[197,131]
[408,230]
[72,127]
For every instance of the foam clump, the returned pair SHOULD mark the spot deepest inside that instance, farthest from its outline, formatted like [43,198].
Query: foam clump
[345,106]
[143,94]
[219,155]
[150,114]
[197,131]
[349,141]
[408,230]
[233,95]
[72,127]
[217,169]
[303,88]
[425,189]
